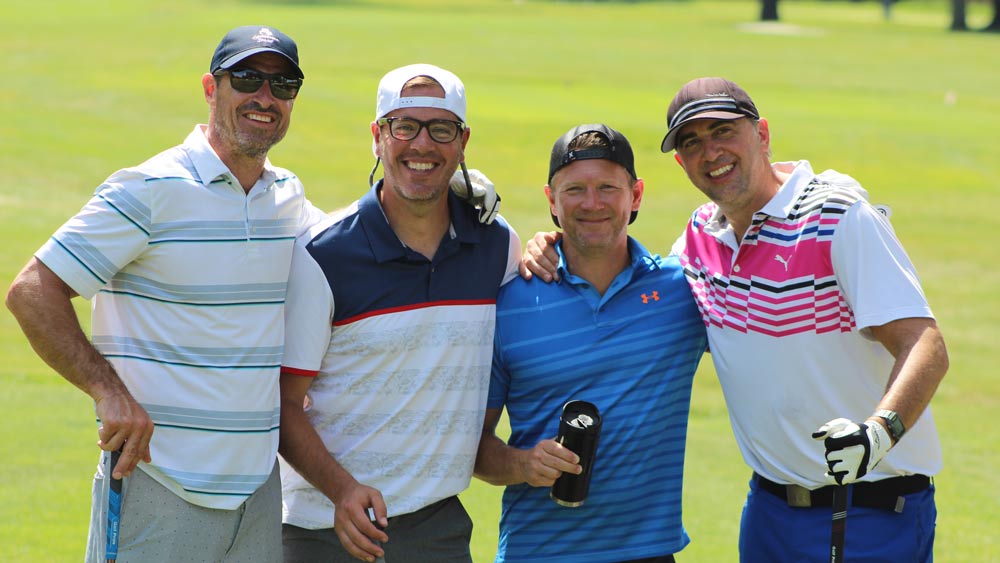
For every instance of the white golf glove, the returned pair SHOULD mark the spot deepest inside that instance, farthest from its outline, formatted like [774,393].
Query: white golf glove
[483,197]
[852,449]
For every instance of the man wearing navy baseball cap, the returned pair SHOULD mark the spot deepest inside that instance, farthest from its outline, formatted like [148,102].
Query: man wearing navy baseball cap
[249,40]
[186,257]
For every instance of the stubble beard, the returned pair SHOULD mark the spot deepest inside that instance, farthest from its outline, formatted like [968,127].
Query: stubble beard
[250,144]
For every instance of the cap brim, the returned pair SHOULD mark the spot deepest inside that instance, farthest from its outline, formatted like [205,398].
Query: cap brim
[231,61]
[668,141]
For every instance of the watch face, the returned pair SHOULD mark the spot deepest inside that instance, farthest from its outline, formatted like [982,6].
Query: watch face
[894,425]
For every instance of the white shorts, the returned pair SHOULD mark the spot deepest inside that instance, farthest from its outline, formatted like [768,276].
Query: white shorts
[157,526]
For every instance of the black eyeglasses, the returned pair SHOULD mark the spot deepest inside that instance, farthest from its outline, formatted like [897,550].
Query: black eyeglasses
[407,128]
[248,81]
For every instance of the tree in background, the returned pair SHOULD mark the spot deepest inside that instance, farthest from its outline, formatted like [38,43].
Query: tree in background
[958,13]
[958,16]
[994,25]
[769,10]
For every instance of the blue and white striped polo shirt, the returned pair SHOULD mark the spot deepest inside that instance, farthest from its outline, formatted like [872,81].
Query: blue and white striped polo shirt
[188,276]
[633,353]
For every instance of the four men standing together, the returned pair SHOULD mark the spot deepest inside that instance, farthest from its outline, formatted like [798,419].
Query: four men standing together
[211,272]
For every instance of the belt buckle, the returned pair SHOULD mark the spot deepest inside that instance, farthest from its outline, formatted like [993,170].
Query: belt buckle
[798,496]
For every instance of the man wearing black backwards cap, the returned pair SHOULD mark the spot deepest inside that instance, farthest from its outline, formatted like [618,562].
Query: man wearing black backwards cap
[818,328]
[619,330]
[186,257]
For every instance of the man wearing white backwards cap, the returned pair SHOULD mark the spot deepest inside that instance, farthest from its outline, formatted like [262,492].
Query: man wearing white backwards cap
[389,332]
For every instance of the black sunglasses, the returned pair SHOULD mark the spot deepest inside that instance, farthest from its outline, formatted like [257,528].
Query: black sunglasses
[248,81]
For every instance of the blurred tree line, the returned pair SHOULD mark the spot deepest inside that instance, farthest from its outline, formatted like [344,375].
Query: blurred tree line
[769,12]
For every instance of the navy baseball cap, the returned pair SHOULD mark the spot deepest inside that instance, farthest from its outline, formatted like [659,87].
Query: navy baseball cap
[706,98]
[618,151]
[249,40]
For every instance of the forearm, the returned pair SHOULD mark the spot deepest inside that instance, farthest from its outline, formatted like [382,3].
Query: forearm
[497,463]
[301,446]
[916,373]
[42,305]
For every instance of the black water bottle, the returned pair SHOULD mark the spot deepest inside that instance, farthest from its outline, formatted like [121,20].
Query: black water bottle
[579,429]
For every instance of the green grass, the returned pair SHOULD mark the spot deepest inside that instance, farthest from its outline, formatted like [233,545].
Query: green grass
[909,109]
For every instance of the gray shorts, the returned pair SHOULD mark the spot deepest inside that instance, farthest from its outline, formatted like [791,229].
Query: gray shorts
[439,533]
[157,526]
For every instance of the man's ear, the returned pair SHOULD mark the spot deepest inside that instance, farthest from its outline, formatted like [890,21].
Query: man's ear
[376,131]
[208,85]
[638,188]
[764,132]
[550,195]
[677,157]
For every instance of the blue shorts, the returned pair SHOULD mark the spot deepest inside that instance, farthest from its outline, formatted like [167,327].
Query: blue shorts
[771,531]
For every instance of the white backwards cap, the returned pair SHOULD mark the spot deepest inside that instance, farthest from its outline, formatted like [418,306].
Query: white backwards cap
[391,86]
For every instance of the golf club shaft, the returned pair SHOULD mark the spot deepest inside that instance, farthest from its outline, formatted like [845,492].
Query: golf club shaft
[838,527]
[468,181]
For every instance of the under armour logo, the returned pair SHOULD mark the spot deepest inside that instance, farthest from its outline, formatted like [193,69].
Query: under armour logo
[783,261]
[655,297]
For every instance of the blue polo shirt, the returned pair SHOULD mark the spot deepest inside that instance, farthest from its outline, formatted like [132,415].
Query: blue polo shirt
[633,353]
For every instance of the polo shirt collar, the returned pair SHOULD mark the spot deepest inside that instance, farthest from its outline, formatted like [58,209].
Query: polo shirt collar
[781,205]
[640,257]
[209,166]
[386,245]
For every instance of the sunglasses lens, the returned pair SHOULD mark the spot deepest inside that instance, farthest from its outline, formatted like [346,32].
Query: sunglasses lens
[285,88]
[249,81]
[247,85]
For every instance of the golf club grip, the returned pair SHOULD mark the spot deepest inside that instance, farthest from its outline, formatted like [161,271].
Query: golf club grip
[838,528]
[114,510]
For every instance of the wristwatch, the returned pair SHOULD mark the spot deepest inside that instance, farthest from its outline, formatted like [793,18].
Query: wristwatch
[892,423]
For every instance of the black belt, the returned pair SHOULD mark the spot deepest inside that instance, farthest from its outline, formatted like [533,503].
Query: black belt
[886,494]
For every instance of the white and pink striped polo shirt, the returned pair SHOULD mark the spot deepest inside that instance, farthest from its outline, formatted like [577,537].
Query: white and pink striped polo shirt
[786,311]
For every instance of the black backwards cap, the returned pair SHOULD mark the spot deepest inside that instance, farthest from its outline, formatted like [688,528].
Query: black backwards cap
[706,98]
[618,151]
[249,40]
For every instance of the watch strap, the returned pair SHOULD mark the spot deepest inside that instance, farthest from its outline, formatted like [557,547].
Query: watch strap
[892,423]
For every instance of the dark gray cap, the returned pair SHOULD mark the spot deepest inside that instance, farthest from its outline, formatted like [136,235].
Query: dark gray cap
[706,98]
